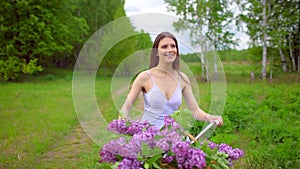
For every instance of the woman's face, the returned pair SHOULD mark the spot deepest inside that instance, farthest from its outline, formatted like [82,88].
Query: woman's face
[167,50]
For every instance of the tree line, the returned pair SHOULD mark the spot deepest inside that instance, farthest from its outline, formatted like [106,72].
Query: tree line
[37,35]
[272,25]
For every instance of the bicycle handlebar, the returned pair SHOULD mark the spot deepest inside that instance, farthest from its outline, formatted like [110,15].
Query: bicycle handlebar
[210,125]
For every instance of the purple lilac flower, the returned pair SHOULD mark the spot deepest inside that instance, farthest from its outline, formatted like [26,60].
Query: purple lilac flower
[225,148]
[147,137]
[121,127]
[168,141]
[212,145]
[169,121]
[188,157]
[136,127]
[164,131]
[130,150]
[111,149]
[185,156]
[181,147]
[114,145]
[173,138]
[118,126]
[233,154]
[107,156]
[153,129]
[195,158]
[130,163]
[237,153]
[163,144]
[181,150]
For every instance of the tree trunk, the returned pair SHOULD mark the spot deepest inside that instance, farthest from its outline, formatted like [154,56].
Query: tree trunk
[271,68]
[205,75]
[204,70]
[298,66]
[298,48]
[291,54]
[264,58]
[264,54]
[215,68]
[283,61]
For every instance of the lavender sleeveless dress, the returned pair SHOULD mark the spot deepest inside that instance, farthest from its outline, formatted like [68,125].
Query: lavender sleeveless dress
[157,106]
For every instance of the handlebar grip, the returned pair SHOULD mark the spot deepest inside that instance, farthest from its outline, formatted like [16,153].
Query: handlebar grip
[210,125]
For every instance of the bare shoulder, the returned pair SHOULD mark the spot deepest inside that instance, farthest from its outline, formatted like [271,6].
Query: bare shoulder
[142,81]
[142,77]
[184,77]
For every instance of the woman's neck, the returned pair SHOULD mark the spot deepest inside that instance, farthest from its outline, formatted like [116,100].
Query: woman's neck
[165,67]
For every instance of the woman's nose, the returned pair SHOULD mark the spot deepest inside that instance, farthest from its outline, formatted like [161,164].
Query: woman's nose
[170,48]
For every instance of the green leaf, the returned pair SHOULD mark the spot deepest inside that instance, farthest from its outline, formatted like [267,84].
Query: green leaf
[154,158]
[156,165]
[115,166]
[146,165]
[106,165]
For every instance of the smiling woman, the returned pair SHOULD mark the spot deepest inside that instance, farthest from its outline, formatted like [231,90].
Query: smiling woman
[163,86]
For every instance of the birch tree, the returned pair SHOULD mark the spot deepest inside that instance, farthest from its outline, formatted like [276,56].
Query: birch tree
[265,38]
[274,25]
[209,19]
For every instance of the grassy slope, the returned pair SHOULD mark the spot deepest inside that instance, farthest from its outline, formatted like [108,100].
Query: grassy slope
[37,117]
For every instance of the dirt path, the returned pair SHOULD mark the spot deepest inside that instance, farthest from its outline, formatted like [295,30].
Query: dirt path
[67,152]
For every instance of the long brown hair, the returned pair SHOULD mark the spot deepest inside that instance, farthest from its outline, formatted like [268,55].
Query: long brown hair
[154,59]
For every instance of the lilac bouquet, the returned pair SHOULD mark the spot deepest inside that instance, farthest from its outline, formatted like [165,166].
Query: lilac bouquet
[143,146]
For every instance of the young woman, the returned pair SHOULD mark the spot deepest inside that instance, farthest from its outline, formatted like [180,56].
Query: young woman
[163,85]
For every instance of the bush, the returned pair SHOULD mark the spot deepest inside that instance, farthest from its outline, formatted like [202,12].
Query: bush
[50,77]
[31,67]
[11,68]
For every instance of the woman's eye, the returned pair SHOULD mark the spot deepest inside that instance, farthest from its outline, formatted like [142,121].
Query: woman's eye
[166,46]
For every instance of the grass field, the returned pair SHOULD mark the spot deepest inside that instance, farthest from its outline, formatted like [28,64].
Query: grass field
[33,117]
[39,126]
[40,129]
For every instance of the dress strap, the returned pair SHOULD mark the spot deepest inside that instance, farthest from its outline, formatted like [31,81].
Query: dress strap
[150,77]
[178,77]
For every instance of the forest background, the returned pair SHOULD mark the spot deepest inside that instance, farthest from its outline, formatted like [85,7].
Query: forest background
[41,40]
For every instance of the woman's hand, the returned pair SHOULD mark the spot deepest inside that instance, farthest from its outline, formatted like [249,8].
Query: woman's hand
[211,118]
[121,116]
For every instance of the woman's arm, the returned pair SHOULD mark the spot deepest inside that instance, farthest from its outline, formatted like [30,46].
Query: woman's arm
[193,106]
[136,88]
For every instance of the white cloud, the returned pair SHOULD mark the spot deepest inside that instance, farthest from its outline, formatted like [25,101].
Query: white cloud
[243,40]
[155,23]
[133,7]
[136,7]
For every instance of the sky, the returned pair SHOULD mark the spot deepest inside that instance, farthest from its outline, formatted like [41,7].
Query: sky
[136,7]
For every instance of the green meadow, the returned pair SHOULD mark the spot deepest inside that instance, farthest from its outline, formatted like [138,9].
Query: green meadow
[42,41]
[40,128]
